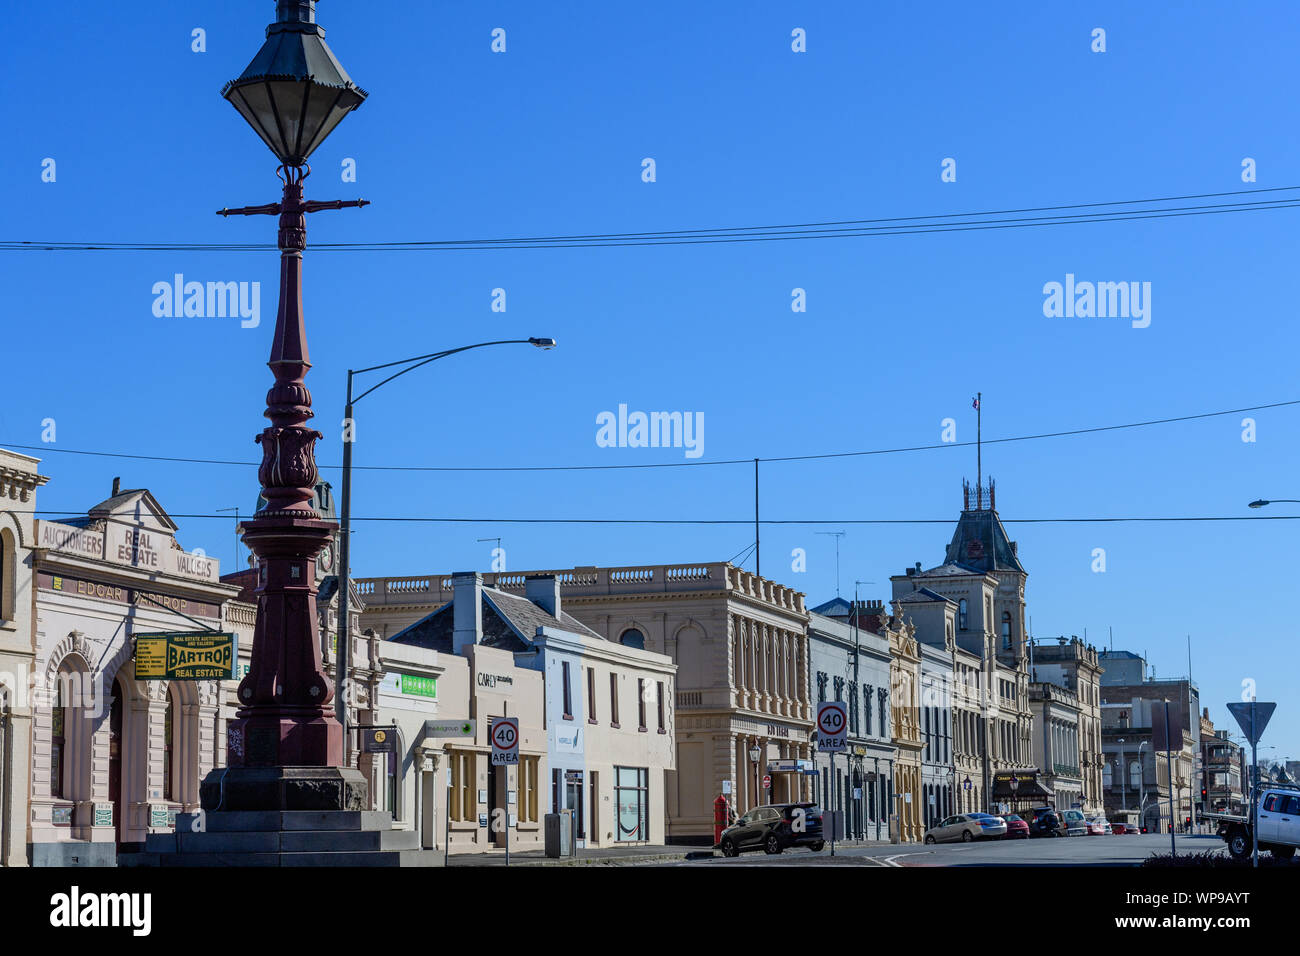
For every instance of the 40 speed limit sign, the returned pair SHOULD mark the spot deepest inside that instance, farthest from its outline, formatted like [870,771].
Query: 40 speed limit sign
[505,741]
[832,722]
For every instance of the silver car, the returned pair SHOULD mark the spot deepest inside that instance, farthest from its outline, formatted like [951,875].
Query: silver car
[1075,823]
[966,827]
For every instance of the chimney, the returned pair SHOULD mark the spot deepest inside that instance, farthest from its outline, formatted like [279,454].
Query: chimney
[117,486]
[467,610]
[544,591]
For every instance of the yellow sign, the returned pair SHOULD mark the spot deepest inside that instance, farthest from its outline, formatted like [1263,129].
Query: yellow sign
[185,655]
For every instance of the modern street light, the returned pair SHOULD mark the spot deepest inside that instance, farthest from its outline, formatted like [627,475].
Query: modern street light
[1260,503]
[343,655]
[293,94]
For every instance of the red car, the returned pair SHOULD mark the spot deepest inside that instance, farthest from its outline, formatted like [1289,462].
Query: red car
[1116,827]
[1017,829]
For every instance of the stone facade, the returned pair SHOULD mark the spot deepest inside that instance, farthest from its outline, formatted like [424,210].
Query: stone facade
[740,646]
[19,481]
[1076,667]
[852,663]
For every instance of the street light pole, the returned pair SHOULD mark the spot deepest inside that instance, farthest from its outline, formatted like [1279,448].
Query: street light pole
[343,656]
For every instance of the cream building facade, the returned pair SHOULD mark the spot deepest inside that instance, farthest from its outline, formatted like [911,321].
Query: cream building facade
[19,690]
[738,642]
[1076,667]
[115,758]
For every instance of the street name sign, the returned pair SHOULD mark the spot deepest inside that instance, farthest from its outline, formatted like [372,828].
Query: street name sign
[505,741]
[832,723]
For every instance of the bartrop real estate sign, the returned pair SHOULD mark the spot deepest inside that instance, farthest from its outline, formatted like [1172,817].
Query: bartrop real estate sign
[185,655]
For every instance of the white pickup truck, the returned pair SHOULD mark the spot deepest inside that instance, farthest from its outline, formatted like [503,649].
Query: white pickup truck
[1279,824]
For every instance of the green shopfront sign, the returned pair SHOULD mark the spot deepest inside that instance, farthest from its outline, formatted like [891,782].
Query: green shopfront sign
[419,686]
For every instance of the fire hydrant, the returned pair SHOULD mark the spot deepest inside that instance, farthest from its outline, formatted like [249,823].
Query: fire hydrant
[720,818]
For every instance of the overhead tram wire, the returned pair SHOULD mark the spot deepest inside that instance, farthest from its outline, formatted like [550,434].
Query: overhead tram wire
[851,228]
[47,448]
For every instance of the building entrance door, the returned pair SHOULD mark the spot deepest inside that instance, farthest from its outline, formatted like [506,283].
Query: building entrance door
[498,832]
[573,801]
[115,760]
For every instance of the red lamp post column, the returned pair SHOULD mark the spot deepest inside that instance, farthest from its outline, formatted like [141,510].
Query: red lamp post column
[285,748]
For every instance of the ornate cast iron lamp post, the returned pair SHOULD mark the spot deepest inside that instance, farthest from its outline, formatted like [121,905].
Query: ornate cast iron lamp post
[293,94]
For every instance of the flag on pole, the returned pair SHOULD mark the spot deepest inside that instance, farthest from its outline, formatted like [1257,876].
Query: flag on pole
[975,403]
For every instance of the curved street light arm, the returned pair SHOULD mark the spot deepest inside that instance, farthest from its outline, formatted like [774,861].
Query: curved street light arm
[420,360]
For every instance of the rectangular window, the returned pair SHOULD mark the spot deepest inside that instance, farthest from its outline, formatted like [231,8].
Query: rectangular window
[659,697]
[613,700]
[463,799]
[632,804]
[528,770]
[568,694]
[640,704]
[591,695]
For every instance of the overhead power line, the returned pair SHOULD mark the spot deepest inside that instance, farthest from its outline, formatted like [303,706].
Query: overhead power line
[422,519]
[666,464]
[1109,211]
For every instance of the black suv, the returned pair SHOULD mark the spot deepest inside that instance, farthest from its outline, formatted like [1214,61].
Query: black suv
[1046,822]
[774,828]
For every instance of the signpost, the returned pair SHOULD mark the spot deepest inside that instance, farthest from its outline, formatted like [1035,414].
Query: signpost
[505,753]
[185,655]
[832,722]
[1253,716]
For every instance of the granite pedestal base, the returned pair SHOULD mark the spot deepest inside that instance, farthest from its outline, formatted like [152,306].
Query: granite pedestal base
[284,816]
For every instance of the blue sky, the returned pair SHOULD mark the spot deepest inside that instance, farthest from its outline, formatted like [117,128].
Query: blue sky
[548,138]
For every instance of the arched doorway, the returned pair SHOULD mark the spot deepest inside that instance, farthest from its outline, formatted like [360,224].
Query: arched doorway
[115,759]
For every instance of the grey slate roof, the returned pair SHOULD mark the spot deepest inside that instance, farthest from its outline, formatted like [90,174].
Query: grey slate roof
[509,622]
[980,542]
[922,596]
[835,607]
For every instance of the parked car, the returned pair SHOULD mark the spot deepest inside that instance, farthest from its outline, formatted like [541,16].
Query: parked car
[1117,827]
[1075,823]
[1098,826]
[1017,827]
[1046,823]
[965,827]
[775,828]
[992,824]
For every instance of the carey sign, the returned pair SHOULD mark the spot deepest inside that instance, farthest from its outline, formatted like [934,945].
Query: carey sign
[185,655]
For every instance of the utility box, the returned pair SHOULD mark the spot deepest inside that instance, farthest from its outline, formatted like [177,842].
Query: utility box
[833,824]
[559,834]
[894,835]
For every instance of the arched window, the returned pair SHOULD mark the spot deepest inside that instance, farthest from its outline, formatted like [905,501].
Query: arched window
[961,614]
[1006,628]
[633,638]
[8,575]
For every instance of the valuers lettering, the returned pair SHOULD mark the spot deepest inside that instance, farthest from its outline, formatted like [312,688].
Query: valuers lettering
[74,909]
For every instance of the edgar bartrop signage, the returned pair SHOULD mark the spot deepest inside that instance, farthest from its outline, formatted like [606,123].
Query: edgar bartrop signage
[185,655]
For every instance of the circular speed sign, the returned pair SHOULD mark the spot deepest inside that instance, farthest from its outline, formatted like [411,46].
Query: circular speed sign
[505,740]
[830,719]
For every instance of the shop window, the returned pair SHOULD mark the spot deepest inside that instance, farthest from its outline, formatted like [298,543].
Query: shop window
[464,804]
[632,803]
[528,786]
